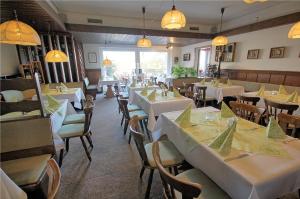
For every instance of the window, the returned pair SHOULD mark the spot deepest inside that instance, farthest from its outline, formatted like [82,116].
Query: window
[123,63]
[154,63]
[203,58]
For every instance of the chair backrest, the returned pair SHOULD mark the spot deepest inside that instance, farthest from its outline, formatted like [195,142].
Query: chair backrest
[274,108]
[89,98]
[286,120]
[86,81]
[124,108]
[88,111]
[188,190]
[246,111]
[189,90]
[162,83]
[54,176]
[138,139]
[248,100]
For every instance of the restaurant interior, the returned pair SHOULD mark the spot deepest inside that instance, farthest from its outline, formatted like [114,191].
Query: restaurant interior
[133,99]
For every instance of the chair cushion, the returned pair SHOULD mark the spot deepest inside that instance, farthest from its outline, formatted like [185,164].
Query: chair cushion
[71,130]
[12,95]
[140,113]
[74,118]
[133,107]
[169,154]
[210,190]
[92,87]
[26,171]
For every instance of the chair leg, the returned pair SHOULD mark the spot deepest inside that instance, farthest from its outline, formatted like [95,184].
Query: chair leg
[61,156]
[149,184]
[122,120]
[170,170]
[175,170]
[142,126]
[125,126]
[142,171]
[85,148]
[67,144]
[129,139]
[88,138]
[147,131]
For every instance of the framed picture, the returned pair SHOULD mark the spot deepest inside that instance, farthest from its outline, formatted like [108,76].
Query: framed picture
[92,57]
[187,57]
[176,60]
[228,54]
[277,52]
[253,54]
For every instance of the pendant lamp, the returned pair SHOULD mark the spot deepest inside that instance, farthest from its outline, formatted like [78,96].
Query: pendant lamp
[106,62]
[144,42]
[17,32]
[173,19]
[294,32]
[254,1]
[220,40]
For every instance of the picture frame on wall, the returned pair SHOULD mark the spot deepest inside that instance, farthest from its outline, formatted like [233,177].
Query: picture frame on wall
[92,57]
[228,52]
[253,54]
[187,57]
[277,52]
[176,60]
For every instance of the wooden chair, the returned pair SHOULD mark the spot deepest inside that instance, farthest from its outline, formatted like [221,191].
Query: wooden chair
[117,92]
[248,100]
[90,89]
[54,176]
[141,115]
[246,111]
[289,123]
[274,108]
[189,184]
[162,83]
[200,97]
[171,158]
[189,90]
[130,107]
[80,130]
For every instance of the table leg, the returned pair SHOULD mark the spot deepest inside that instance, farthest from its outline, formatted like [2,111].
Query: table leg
[109,92]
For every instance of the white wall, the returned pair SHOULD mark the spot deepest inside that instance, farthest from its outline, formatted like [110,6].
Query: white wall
[9,60]
[263,40]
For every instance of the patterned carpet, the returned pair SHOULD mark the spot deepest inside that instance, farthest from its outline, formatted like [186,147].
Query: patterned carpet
[114,170]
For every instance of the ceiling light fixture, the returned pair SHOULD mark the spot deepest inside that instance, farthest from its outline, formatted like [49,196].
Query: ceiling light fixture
[17,32]
[294,32]
[220,40]
[254,1]
[106,62]
[144,42]
[173,19]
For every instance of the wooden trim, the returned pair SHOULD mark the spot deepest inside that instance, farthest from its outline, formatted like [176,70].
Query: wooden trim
[135,31]
[277,21]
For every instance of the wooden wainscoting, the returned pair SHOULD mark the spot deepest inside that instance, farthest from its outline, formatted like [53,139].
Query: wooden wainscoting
[289,78]
[93,75]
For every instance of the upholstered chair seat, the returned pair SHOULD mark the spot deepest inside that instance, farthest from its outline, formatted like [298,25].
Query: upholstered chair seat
[71,130]
[133,107]
[74,118]
[140,113]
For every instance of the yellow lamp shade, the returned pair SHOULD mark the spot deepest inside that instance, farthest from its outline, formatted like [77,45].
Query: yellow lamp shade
[253,1]
[294,32]
[107,62]
[17,32]
[173,19]
[144,43]
[56,56]
[220,41]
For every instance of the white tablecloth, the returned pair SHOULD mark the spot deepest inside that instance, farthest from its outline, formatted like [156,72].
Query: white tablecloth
[72,94]
[261,102]
[222,91]
[8,189]
[131,91]
[251,177]
[108,82]
[155,108]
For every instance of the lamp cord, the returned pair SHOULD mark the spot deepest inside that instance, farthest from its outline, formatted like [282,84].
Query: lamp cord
[144,25]
[222,13]
[15,15]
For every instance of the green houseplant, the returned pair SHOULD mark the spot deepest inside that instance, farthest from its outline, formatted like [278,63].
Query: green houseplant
[178,71]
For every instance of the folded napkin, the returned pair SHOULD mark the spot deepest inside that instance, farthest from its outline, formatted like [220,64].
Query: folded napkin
[63,86]
[184,119]
[261,91]
[226,112]
[152,96]
[176,92]
[223,142]
[229,83]
[282,90]
[52,102]
[216,83]
[274,130]
[293,97]
[144,91]
[202,82]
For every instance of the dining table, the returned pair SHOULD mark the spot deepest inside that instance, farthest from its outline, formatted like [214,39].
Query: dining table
[220,91]
[273,96]
[109,82]
[160,105]
[138,87]
[257,167]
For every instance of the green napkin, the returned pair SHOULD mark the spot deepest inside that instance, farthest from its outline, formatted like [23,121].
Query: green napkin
[223,142]
[202,82]
[144,91]
[52,102]
[152,96]
[274,130]
[293,97]
[226,112]
[184,119]
[176,92]
[261,91]
[63,86]
[216,83]
[282,90]
[229,83]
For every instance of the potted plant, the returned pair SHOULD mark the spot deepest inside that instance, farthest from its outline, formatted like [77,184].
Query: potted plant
[178,71]
[190,72]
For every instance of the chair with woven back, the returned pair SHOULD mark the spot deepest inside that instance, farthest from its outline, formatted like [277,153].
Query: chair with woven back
[246,111]
[170,156]
[189,184]
[248,100]
[80,130]
[274,108]
[289,123]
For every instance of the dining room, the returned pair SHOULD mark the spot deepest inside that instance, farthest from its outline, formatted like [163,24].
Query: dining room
[150,99]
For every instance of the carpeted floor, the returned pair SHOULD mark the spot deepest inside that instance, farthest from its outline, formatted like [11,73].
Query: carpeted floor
[114,170]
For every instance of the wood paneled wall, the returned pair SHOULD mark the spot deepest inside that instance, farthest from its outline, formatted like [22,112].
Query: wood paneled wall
[288,78]
[93,75]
